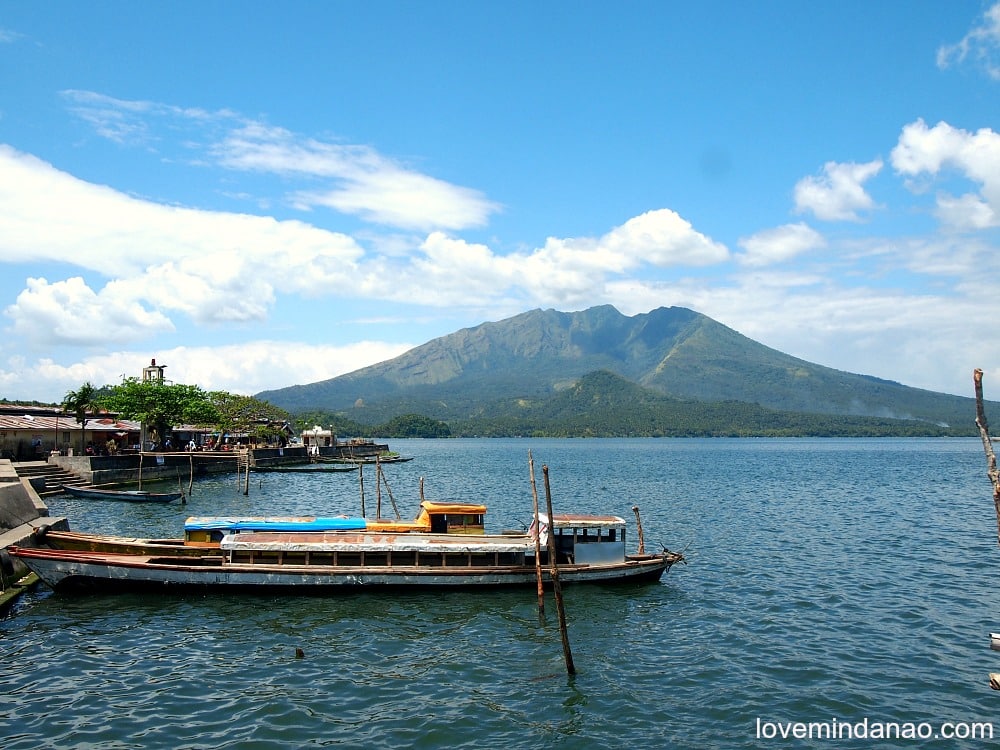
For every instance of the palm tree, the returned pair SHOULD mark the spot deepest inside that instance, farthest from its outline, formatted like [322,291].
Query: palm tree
[79,402]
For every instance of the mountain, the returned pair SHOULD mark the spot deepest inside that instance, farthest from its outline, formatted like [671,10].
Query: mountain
[533,357]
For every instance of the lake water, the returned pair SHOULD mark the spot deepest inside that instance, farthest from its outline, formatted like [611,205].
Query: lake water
[829,581]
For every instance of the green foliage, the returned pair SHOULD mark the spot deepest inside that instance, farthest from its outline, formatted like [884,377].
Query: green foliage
[161,405]
[339,424]
[414,426]
[234,413]
[82,403]
[602,404]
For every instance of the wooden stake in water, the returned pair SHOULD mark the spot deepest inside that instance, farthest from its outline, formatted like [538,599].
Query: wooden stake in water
[378,488]
[556,586]
[638,526]
[361,483]
[984,433]
[538,542]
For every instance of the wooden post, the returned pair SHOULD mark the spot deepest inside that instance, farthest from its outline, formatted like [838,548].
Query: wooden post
[984,433]
[638,526]
[378,488]
[392,499]
[556,586]
[538,541]
[361,482]
[140,466]
[191,476]
[421,489]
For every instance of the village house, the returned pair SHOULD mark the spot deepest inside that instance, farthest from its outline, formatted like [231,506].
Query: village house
[31,433]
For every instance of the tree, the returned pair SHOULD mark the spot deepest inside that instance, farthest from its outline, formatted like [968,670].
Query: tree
[235,413]
[415,426]
[79,402]
[159,405]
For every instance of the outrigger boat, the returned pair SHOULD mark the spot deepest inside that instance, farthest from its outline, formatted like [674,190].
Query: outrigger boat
[132,496]
[203,534]
[589,549]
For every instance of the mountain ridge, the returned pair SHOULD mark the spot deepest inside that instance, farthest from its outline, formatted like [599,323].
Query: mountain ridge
[671,351]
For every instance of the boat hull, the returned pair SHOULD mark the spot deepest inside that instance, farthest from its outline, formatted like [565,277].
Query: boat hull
[131,496]
[71,570]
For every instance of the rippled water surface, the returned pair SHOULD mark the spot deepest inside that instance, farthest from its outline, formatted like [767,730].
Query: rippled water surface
[828,579]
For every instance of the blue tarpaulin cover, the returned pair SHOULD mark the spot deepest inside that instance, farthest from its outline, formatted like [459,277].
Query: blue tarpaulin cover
[265,523]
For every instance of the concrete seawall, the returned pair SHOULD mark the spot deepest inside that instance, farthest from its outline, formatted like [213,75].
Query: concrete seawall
[126,468]
[21,513]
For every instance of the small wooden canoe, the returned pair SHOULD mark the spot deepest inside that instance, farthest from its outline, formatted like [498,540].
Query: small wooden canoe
[132,496]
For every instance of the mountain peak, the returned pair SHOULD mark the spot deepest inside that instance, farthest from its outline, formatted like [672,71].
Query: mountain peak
[670,351]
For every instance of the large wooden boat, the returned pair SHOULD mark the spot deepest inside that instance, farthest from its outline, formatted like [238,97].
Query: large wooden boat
[589,549]
[132,496]
[203,534]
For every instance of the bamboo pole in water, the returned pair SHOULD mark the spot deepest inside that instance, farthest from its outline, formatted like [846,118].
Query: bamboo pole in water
[191,475]
[538,541]
[984,433]
[556,586]
[140,467]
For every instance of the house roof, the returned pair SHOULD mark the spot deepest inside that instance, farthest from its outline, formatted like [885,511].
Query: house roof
[40,423]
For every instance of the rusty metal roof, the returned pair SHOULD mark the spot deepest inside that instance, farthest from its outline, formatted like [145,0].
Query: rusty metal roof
[38,423]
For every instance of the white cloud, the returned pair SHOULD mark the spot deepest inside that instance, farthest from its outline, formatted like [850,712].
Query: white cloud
[240,368]
[838,195]
[565,271]
[355,179]
[927,152]
[368,185]
[212,266]
[981,46]
[662,238]
[779,244]
[69,312]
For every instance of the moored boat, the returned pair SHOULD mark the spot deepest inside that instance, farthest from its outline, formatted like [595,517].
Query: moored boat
[381,458]
[203,534]
[132,496]
[589,549]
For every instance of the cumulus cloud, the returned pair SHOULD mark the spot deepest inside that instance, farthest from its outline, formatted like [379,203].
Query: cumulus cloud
[981,46]
[564,271]
[69,312]
[244,368]
[212,266]
[839,194]
[779,244]
[924,152]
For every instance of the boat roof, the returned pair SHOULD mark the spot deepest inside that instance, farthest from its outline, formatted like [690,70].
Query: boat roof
[583,521]
[273,523]
[375,542]
[445,506]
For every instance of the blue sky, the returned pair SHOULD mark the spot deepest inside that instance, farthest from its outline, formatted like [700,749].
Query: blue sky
[262,194]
